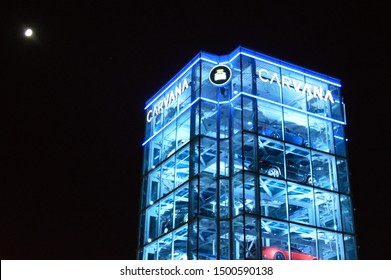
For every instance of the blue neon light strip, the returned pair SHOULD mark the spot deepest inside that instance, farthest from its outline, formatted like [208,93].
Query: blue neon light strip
[245,52]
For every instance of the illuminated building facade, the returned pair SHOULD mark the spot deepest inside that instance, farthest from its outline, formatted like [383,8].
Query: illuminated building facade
[245,158]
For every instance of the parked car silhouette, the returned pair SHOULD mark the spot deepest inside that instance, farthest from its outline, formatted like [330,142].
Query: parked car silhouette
[290,136]
[297,170]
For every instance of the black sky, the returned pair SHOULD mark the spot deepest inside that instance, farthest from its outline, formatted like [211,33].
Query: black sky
[74,96]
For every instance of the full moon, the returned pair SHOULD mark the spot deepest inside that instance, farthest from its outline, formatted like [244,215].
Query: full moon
[28,32]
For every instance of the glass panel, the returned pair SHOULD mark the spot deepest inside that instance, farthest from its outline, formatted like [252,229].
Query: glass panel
[339,140]
[184,96]
[248,73]
[208,154]
[182,165]
[208,90]
[321,135]
[153,186]
[237,193]
[330,245]
[150,251]
[166,214]
[181,213]
[207,239]
[249,202]
[303,243]
[238,238]
[327,210]
[237,148]
[155,151]
[298,165]
[301,204]
[337,108]
[194,198]
[208,196]
[249,113]
[271,157]
[237,115]
[251,238]
[295,128]
[165,248]
[273,198]
[208,119]
[224,199]
[347,214]
[324,171]
[169,140]
[180,244]
[183,130]
[268,81]
[292,85]
[350,247]
[269,120]
[168,176]
[193,239]
[224,158]
[224,121]
[275,240]
[318,97]
[343,175]
[151,227]
[224,240]
[249,150]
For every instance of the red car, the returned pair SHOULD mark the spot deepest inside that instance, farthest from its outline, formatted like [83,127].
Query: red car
[279,253]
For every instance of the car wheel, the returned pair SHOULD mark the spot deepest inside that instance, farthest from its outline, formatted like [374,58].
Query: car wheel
[275,135]
[273,172]
[279,256]
[306,144]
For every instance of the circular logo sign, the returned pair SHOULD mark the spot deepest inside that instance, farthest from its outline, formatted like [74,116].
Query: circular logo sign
[220,75]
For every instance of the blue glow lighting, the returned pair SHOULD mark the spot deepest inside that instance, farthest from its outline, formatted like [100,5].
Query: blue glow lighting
[167,124]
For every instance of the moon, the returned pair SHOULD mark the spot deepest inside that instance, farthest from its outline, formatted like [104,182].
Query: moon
[28,32]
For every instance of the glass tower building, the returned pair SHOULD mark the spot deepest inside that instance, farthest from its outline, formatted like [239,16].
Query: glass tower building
[245,158]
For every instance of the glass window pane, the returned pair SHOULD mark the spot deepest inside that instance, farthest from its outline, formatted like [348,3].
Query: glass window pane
[273,198]
[292,85]
[303,243]
[207,239]
[181,214]
[298,165]
[271,157]
[328,214]
[343,175]
[324,171]
[275,240]
[330,245]
[321,134]
[301,204]
[182,165]
[268,81]
[347,214]
[166,214]
[180,244]
[165,248]
[295,128]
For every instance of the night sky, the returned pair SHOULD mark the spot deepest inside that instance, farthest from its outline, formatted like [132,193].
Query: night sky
[73,97]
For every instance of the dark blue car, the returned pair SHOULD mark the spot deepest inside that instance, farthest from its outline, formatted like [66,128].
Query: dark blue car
[290,136]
